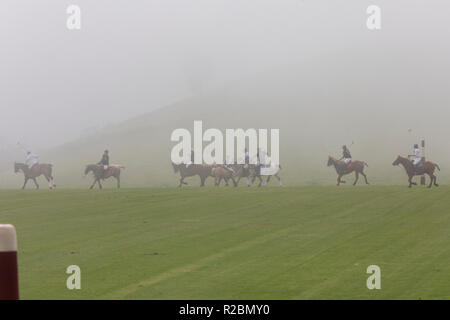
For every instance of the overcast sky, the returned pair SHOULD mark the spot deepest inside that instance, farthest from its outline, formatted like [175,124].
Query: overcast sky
[131,57]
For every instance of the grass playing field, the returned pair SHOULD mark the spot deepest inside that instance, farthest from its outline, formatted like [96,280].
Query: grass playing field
[232,243]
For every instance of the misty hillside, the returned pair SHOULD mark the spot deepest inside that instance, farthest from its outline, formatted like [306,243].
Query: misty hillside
[335,104]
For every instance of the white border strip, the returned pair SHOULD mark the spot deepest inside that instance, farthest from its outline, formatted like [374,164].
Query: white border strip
[8,239]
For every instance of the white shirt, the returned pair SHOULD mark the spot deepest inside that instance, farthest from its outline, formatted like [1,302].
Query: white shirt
[417,153]
[32,159]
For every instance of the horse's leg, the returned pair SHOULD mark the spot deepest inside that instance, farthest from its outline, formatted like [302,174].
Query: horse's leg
[260,181]
[53,181]
[365,177]
[118,182]
[339,179]
[226,182]
[432,177]
[92,186]
[99,184]
[435,181]
[25,183]
[234,182]
[356,177]
[35,182]
[267,181]
[51,178]
[181,182]
[50,185]
[279,179]
[202,181]
[410,181]
[248,182]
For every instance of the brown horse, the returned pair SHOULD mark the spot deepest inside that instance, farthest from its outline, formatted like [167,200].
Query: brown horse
[411,170]
[37,170]
[202,170]
[219,173]
[101,174]
[342,169]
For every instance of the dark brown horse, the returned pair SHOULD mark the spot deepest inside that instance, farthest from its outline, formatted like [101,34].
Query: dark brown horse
[342,169]
[249,171]
[101,174]
[37,170]
[202,170]
[219,173]
[412,170]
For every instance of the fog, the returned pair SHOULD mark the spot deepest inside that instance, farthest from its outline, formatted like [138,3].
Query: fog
[131,58]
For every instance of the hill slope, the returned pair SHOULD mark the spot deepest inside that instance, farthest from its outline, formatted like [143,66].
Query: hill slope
[315,115]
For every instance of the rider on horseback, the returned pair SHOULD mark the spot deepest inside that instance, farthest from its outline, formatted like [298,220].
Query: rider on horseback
[105,160]
[417,156]
[247,159]
[346,156]
[228,166]
[32,159]
[192,159]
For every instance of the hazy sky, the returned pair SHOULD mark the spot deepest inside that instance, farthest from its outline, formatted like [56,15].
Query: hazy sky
[131,57]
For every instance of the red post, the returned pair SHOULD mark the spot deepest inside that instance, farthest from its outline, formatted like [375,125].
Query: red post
[9,280]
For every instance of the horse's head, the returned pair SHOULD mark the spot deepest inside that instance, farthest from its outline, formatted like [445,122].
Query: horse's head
[397,161]
[330,161]
[16,167]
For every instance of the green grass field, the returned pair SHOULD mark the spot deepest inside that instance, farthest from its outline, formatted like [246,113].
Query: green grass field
[232,243]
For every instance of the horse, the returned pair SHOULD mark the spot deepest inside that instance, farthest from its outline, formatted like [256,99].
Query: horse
[101,174]
[37,170]
[276,176]
[411,170]
[251,171]
[203,171]
[219,173]
[342,169]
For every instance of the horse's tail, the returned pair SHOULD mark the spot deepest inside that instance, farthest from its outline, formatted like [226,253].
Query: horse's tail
[365,163]
[437,166]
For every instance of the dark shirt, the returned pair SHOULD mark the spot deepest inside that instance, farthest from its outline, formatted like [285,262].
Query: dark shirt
[105,160]
[346,154]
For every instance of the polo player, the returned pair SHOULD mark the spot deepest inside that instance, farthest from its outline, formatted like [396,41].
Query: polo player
[31,160]
[104,161]
[346,156]
[417,156]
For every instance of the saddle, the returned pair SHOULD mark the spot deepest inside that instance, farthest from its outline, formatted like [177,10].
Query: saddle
[418,168]
[344,165]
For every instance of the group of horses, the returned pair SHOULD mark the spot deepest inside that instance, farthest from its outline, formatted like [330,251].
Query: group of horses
[427,167]
[219,172]
[45,169]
